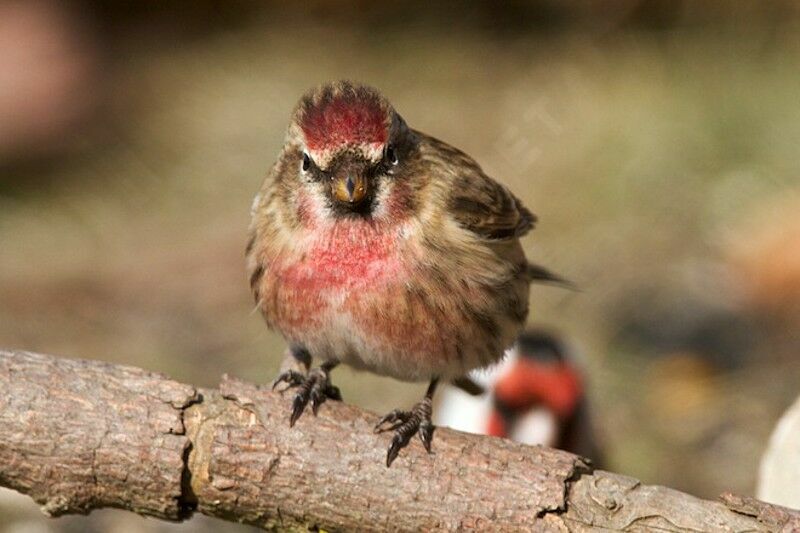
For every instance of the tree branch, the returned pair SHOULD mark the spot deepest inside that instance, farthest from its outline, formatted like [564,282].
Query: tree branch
[80,435]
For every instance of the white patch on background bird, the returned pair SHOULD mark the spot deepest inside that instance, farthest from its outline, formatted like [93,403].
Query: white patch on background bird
[537,426]
[463,412]
[458,410]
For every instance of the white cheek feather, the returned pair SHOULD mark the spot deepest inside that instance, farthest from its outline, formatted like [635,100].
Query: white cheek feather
[320,211]
[381,200]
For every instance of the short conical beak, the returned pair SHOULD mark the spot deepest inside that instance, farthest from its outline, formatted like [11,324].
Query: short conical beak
[349,189]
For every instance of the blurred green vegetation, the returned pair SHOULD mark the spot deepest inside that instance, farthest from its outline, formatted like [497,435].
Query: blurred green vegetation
[655,145]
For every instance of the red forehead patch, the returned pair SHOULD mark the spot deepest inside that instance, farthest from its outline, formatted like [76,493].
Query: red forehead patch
[348,118]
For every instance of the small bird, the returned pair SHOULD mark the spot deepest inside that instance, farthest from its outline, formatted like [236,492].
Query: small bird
[375,245]
[536,395]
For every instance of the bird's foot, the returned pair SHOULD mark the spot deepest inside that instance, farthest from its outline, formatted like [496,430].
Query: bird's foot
[315,387]
[405,424]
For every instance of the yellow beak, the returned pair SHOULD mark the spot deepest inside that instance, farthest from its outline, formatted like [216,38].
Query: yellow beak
[349,189]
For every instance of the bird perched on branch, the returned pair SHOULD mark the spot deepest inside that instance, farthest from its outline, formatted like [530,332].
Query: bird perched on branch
[375,245]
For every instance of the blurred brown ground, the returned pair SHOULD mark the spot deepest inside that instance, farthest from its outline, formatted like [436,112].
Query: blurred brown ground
[657,142]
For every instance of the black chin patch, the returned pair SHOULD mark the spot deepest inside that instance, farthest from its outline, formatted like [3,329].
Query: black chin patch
[362,209]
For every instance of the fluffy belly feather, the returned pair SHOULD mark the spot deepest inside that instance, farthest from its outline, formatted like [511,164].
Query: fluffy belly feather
[363,300]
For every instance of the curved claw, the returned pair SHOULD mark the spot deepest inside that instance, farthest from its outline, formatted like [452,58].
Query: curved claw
[321,390]
[399,442]
[426,434]
[405,424]
[395,419]
[314,388]
[317,397]
[291,377]
[298,406]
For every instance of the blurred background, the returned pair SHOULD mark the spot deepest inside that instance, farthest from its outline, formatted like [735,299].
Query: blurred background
[656,140]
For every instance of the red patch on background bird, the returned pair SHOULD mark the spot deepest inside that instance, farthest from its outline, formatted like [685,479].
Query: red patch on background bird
[344,120]
[528,384]
[496,427]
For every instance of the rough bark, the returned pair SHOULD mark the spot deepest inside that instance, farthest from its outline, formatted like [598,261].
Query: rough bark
[79,435]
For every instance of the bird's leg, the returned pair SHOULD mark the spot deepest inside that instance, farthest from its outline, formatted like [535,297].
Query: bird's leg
[294,368]
[407,423]
[315,385]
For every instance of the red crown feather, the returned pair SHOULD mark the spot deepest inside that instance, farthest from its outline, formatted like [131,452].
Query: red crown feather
[350,116]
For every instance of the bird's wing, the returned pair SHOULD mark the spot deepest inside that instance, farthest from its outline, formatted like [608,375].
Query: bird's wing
[487,208]
[477,202]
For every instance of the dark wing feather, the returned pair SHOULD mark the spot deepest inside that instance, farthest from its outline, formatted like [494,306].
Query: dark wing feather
[540,274]
[477,202]
[487,208]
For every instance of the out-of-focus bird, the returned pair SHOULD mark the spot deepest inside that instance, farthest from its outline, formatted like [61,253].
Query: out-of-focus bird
[375,245]
[535,396]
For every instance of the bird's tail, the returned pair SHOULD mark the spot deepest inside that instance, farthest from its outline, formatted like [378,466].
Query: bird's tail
[539,274]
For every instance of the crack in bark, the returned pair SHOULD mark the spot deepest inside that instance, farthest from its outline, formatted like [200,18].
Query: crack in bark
[580,467]
[103,437]
[187,500]
[773,516]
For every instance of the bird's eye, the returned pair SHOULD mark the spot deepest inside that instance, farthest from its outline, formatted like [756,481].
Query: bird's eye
[306,162]
[391,155]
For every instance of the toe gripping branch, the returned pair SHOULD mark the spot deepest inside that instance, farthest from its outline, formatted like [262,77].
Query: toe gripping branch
[315,387]
[406,423]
